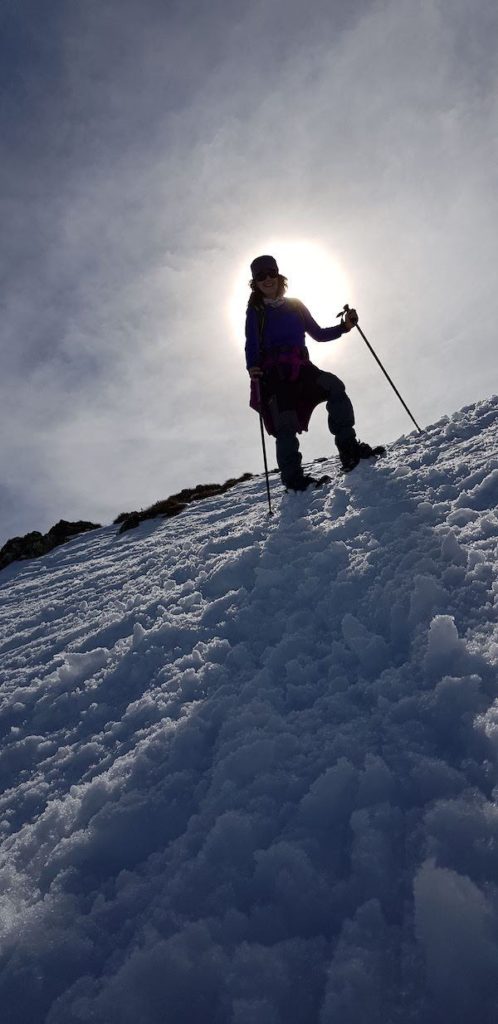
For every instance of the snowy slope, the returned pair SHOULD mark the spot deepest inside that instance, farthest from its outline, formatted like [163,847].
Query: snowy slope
[248,764]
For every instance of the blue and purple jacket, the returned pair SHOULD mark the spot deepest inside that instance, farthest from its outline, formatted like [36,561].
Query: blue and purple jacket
[275,337]
[284,328]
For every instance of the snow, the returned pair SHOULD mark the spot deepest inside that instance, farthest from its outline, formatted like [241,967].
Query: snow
[249,766]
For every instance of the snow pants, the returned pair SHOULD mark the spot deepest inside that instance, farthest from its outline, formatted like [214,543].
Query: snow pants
[319,386]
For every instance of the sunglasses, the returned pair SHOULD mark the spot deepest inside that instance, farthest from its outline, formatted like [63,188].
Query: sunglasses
[264,274]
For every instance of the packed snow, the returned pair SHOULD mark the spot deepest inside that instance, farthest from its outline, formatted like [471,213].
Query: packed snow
[249,765]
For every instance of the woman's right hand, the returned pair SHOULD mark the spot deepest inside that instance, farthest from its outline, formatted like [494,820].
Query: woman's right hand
[255,372]
[350,319]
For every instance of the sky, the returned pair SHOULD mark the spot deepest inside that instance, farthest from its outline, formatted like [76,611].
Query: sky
[249,765]
[151,150]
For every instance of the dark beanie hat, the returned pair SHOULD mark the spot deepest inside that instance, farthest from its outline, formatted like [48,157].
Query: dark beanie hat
[263,263]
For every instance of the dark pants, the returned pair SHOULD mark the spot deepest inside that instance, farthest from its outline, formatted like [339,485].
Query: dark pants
[323,387]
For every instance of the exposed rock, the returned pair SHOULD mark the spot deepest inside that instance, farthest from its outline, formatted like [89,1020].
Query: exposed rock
[176,503]
[35,544]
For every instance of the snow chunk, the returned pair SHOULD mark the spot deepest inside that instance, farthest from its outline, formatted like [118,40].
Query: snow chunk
[488,525]
[78,667]
[426,509]
[445,650]
[462,516]
[376,782]
[454,707]
[484,495]
[287,881]
[426,597]
[452,551]
[454,926]
[454,696]
[358,988]
[139,634]
[376,834]
[331,798]
[370,649]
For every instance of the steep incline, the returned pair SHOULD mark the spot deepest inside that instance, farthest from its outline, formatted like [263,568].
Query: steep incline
[248,765]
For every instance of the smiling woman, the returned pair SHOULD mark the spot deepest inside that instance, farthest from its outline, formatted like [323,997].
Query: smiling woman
[312,274]
[285,385]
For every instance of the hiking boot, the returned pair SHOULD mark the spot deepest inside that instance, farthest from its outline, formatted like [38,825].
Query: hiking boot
[301,483]
[304,482]
[351,453]
[367,452]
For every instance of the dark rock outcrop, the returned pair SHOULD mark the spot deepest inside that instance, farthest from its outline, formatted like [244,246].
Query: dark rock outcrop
[176,503]
[35,544]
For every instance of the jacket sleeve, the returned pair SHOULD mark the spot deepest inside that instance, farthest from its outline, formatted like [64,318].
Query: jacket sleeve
[252,339]
[319,333]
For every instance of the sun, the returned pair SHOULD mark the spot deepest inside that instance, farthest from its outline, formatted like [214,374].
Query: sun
[313,275]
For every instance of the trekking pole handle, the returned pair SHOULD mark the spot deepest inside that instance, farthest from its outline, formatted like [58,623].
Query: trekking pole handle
[345,309]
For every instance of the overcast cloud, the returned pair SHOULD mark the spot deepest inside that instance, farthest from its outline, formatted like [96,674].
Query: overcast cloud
[151,150]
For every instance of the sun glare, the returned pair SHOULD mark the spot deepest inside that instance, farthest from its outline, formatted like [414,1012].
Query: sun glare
[313,276]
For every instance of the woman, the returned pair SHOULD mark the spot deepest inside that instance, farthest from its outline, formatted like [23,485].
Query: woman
[285,385]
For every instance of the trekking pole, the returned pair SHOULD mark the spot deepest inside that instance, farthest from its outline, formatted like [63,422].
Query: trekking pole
[346,310]
[258,390]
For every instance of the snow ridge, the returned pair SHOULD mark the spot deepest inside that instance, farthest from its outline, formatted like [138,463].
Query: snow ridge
[248,766]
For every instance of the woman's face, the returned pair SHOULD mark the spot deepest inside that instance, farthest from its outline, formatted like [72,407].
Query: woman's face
[268,286]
